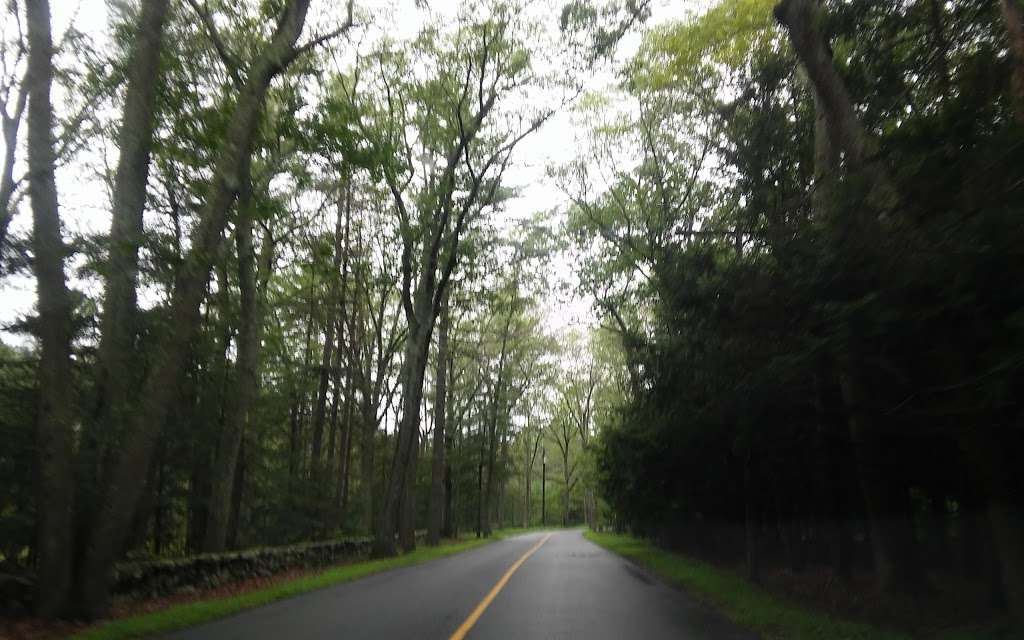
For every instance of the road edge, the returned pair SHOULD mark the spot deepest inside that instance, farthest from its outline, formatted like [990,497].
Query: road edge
[738,601]
[189,614]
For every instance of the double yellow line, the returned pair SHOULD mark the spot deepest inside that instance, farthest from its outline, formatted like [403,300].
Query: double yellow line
[461,632]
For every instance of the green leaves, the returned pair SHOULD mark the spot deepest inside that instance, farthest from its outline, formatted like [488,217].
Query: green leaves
[338,131]
[719,41]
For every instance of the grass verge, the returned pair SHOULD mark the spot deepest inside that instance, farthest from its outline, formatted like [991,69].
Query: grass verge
[737,599]
[186,615]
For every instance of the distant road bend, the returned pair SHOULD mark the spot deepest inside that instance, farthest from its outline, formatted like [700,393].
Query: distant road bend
[538,585]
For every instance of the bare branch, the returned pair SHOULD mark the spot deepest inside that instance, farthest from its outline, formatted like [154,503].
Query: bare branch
[319,40]
[231,62]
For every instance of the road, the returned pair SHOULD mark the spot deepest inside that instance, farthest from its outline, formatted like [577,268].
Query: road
[539,585]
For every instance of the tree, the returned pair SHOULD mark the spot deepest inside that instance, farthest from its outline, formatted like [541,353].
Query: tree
[485,62]
[13,100]
[436,509]
[56,404]
[768,321]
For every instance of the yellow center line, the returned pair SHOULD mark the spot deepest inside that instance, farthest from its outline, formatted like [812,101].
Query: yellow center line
[461,632]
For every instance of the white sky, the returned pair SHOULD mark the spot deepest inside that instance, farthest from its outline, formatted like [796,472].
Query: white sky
[84,199]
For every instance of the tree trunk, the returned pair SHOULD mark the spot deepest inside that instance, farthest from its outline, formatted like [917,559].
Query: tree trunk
[341,255]
[896,565]
[527,467]
[320,408]
[412,374]
[157,392]
[346,460]
[237,494]
[198,490]
[366,463]
[488,496]
[116,364]
[158,511]
[480,497]
[334,334]
[750,524]
[838,511]
[436,515]
[448,528]
[566,473]
[246,377]
[294,425]
[803,18]
[407,504]
[54,542]
[1013,14]
[987,457]
[11,125]
[341,479]
[336,411]
[937,28]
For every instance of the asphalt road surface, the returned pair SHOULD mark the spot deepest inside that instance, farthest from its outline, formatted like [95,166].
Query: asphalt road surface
[539,585]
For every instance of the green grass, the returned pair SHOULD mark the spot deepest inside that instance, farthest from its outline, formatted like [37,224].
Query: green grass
[737,599]
[186,615]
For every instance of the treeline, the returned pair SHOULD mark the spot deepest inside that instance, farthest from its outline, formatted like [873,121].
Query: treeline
[809,244]
[311,314]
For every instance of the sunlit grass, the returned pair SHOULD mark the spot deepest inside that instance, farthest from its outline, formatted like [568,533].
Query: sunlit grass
[186,615]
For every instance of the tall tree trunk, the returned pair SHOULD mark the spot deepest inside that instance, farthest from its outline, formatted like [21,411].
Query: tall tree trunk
[417,345]
[435,517]
[246,377]
[488,496]
[56,397]
[237,494]
[422,303]
[320,408]
[1013,14]
[294,425]
[11,125]
[750,523]
[987,456]
[937,26]
[341,477]
[334,422]
[407,503]
[158,511]
[116,364]
[157,392]
[803,20]
[488,485]
[480,497]
[341,256]
[346,460]
[526,492]
[333,337]
[566,472]
[492,430]
[896,564]
[367,449]
[198,490]
[448,527]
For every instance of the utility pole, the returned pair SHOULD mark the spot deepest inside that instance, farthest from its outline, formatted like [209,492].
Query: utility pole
[543,482]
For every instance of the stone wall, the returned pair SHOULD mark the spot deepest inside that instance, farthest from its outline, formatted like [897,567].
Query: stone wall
[146,579]
[155,578]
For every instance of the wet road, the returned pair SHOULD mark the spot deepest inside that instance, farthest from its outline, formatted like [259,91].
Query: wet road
[538,585]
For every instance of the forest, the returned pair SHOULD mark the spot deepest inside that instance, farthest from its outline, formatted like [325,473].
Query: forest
[272,273]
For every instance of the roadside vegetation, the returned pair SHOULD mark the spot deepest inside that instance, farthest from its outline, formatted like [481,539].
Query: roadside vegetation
[311,308]
[180,616]
[804,259]
[772,616]
[298,270]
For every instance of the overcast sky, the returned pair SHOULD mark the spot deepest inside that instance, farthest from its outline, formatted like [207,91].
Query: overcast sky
[85,202]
